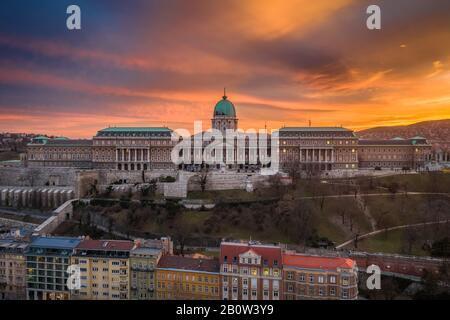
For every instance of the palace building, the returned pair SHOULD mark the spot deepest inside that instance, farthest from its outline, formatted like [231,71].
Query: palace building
[310,149]
[395,153]
[59,152]
[133,149]
[318,148]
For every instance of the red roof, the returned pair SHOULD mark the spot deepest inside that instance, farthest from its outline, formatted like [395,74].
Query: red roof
[267,252]
[118,245]
[314,262]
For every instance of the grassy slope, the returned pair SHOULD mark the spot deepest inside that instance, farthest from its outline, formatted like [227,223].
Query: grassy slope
[389,242]
[326,217]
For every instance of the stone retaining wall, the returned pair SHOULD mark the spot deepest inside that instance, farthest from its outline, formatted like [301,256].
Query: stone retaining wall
[34,197]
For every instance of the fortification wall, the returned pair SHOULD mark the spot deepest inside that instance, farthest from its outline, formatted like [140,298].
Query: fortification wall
[37,177]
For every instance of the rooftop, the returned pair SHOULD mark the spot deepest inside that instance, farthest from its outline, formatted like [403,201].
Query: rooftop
[144,250]
[12,245]
[393,142]
[316,262]
[315,129]
[69,142]
[189,264]
[106,245]
[136,129]
[55,242]
[234,249]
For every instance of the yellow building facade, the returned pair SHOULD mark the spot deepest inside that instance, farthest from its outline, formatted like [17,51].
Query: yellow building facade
[104,269]
[180,278]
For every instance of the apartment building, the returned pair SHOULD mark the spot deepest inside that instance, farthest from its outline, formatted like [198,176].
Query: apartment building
[47,261]
[250,271]
[187,278]
[12,270]
[104,269]
[316,277]
[143,262]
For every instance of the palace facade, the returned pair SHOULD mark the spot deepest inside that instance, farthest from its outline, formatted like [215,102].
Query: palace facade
[310,149]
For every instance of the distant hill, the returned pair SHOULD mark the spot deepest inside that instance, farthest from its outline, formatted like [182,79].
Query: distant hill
[434,131]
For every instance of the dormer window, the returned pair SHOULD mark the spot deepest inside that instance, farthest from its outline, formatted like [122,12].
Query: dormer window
[275,262]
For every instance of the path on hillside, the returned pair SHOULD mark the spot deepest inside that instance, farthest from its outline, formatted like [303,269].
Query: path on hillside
[34,214]
[365,209]
[367,235]
[376,194]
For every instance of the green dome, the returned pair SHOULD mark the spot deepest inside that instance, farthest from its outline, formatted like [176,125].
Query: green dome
[224,108]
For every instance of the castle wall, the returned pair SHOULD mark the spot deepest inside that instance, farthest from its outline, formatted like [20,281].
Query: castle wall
[36,177]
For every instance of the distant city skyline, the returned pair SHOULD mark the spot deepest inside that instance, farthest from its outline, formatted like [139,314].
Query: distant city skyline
[152,63]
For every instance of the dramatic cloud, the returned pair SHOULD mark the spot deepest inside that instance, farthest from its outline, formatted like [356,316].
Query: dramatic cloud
[166,62]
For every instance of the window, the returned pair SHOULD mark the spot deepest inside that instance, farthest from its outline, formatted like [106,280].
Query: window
[332,291]
[320,279]
[345,293]
[311,278]
[332,279]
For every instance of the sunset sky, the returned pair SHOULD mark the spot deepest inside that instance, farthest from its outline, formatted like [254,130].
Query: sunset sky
[165,63]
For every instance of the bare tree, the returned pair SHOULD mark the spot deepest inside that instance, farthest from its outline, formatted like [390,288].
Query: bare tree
[410,238]
[294,170]
[203,178]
